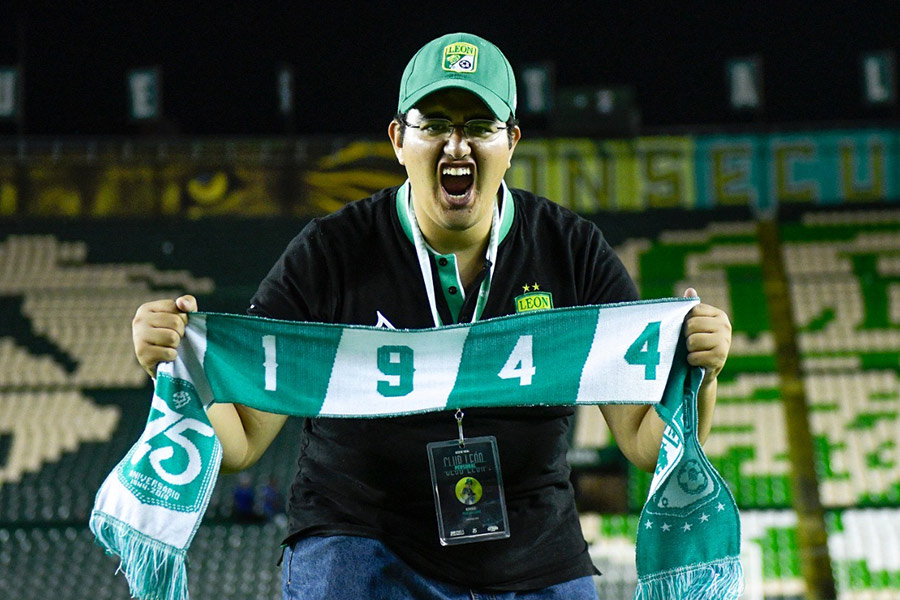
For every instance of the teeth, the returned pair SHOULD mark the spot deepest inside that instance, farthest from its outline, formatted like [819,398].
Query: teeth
[457,171]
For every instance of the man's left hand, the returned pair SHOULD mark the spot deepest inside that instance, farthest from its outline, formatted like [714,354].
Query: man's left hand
[707,330]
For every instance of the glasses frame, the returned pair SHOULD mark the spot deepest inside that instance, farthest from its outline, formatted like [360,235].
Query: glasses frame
[453,126]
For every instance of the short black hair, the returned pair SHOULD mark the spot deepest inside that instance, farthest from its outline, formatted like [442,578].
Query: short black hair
[511,123]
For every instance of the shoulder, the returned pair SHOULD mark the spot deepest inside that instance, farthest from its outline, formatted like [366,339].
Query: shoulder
[325,259]
[541,217]
[564,241]
[357,221]
[374,211]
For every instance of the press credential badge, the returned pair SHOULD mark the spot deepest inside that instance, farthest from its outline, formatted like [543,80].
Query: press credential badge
[468,490]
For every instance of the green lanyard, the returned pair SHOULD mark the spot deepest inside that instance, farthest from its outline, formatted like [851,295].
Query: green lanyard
[422,254]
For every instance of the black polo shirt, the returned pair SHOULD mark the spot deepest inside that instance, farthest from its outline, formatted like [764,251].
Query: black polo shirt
[370,477]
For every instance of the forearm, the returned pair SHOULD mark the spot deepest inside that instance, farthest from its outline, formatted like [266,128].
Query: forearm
[648,439]
[244,433]
[638,429]
[230,431]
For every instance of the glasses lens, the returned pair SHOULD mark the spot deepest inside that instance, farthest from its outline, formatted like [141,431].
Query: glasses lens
[480,129]
[436,127]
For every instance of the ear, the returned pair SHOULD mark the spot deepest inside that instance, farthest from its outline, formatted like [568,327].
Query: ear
[517,135]
[396,139]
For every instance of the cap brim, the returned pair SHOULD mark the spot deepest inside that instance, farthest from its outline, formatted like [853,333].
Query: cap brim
[492,100]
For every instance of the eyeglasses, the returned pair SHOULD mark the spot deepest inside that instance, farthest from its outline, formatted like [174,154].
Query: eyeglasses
[440,129]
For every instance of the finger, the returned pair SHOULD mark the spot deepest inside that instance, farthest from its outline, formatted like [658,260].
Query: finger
[704,324]
[160,336]
[150,356]
[156,338]
[157,313]
[144,323]
[706,310]
[698,342]
[707,359]
[186,303]
[165,305]
[180,307]
[690,293]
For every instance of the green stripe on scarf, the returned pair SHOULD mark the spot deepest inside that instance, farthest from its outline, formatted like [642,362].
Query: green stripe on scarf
[150,506]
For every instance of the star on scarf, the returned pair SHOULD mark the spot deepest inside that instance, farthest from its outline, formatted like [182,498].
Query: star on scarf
[648,525]
[720,507]
[704,518]
[666,527]
[687,527]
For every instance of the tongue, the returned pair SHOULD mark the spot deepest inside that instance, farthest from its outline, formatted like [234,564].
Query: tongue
[456,185]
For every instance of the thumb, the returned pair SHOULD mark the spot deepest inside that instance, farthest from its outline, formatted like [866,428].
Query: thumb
[690,293]
[186,303]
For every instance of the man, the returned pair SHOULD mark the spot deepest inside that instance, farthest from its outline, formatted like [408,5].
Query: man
[453,244]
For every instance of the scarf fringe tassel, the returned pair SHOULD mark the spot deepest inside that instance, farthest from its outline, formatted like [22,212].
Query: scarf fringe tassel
[719,580]
[154,571]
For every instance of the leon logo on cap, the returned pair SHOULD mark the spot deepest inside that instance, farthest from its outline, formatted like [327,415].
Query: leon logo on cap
[460,57]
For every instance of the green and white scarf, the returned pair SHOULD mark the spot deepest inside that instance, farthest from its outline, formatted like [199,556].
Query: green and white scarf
[150,506]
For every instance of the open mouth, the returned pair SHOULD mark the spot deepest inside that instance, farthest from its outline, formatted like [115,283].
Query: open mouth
[457,182]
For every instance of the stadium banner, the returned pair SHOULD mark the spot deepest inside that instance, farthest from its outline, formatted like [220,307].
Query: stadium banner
[313,177]
[823,168]
[192,180]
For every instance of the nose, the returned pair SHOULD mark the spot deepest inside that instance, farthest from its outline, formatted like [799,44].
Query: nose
[457,145]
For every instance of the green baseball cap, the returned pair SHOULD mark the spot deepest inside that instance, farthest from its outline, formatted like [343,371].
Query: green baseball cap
[460,60]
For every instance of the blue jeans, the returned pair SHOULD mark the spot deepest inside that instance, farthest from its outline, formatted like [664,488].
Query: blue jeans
[357,568]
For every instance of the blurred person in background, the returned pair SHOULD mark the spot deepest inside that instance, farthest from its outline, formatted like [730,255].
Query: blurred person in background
[244,500]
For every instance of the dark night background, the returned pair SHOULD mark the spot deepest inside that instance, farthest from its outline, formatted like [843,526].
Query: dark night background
[219,59]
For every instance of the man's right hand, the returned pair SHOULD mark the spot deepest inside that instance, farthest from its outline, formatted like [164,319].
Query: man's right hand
[157,330]
[244,432]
